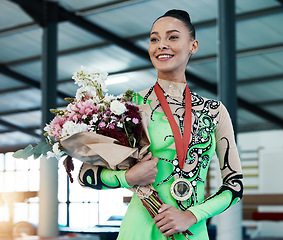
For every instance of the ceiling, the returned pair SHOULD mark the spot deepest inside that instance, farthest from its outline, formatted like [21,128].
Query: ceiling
[113,35]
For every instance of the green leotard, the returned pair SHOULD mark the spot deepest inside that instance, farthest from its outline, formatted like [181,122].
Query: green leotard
[211,131]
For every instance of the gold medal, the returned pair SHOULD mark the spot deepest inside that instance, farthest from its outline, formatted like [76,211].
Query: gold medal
[181,189]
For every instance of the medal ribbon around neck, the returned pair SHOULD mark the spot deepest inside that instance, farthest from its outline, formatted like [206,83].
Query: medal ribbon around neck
[182,144]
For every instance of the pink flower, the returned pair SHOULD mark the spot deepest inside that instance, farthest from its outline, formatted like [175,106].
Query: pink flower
[56,126]
[73,116]
[111,126]
[135,120]
[102,125]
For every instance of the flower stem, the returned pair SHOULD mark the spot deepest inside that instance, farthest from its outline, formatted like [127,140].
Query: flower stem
[124,125]
[151,206]
[156,203]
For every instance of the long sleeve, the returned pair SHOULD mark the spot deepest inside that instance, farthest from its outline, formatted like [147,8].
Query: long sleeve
[101,178]
[232,186]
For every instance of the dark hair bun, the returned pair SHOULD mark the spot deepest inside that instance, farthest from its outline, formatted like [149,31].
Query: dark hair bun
[182,16]
[178,14]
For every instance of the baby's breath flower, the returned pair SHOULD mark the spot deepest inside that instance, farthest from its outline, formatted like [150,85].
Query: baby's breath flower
[108,98]
[91,78]
[120,125]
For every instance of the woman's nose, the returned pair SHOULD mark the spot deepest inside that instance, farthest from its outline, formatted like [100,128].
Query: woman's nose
[162,45]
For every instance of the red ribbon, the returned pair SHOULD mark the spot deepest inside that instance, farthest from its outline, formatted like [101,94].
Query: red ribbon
[182,144]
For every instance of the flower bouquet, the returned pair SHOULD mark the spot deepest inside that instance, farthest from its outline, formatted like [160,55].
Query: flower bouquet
[94,127]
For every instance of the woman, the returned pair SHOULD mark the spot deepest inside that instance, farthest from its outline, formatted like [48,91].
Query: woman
[176,166]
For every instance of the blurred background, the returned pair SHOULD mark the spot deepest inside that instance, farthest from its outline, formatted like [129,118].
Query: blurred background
[113,35]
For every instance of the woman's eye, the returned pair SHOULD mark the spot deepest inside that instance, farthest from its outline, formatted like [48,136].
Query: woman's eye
[173,37]
[153,39]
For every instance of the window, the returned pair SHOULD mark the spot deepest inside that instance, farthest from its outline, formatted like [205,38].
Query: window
[84,207]
[79,208]
[22,176]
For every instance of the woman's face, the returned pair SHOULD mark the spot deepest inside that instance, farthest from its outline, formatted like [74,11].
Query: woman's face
[170,46]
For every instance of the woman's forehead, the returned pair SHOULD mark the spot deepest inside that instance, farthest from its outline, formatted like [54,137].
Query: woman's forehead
[168,23]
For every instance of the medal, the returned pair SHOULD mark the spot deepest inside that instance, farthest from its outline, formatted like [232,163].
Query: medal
[181,189]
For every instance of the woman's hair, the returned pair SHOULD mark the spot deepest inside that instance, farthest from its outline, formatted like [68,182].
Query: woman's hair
[182,16]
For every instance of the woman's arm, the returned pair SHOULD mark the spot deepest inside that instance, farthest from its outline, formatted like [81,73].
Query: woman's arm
[143,173]
[230,166]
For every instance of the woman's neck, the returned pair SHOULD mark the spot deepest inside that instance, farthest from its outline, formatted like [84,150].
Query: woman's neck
[181,78]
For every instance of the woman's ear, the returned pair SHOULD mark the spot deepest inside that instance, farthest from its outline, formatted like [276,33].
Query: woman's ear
[194,47]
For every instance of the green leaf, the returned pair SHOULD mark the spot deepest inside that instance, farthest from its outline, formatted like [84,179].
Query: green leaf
[41,148]
[24,153]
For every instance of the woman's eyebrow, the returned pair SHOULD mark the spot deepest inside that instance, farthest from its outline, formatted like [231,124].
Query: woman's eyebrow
[169,31]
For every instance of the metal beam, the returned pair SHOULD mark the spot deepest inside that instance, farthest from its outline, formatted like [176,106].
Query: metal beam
[107,35]
[256,127]
[108,6]
[18,28]
[211,87]
[251,81]
[60,54]
[20,77]
[255,109]
[194,60]
[49,61]
[17,76]
[227,82]
[17,128]
[127,45]
[242,52]
[33,8]
[273,103]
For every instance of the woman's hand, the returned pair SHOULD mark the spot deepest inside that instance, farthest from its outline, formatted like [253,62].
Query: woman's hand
[144,172]
[171,220]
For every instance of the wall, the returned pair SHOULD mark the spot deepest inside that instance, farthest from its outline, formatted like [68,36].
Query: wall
[269,148]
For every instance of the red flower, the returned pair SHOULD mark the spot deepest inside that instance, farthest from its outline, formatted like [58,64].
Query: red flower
[115,133]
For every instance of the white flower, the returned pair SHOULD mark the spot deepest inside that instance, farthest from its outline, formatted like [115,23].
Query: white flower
[56,149]
[56,152]
[117,107]
[70,128]
[80,93]
[90,77]
[51,155]
[108,98]
[101,106]
[120,125]
[94,118]
[103,87]
[47,129]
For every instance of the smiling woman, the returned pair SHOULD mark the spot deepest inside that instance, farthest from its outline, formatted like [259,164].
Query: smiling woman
[185,131]
[172,42]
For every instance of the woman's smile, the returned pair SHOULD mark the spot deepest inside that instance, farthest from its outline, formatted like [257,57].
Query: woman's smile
[164,57]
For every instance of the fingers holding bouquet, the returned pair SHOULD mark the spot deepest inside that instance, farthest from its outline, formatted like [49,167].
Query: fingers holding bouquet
[171,220]
[144,172]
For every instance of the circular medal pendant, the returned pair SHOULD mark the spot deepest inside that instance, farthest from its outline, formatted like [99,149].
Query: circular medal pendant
[181,189]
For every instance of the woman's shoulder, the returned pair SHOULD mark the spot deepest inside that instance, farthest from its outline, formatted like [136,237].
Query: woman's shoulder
[145,92]
[142,97]
[204,102]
